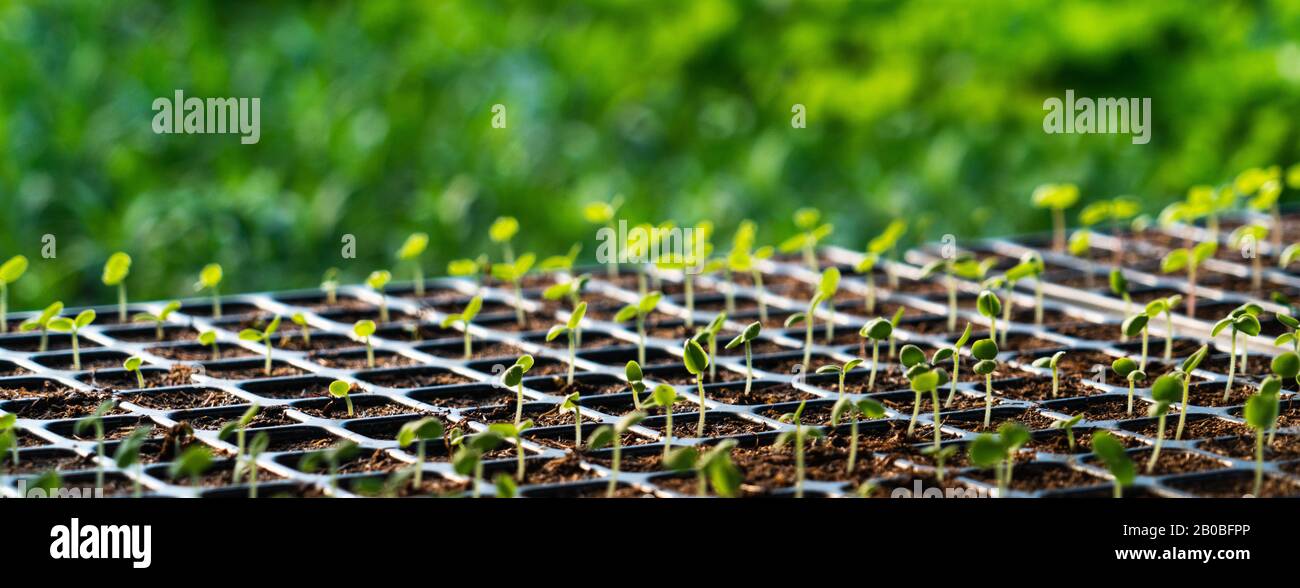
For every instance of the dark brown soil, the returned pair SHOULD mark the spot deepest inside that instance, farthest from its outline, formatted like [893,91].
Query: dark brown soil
[1059,443]
[1040,389]
[89,361]
[186,398]
[479,350]
[415,378]
[292,389]
[590,491]
[41,463]
[565,440]
[1212,394]
[1235,485]
[1258,366]
[31,388]
[271,416]
[559,386]
[1203,428]
[1041,476]
[541,416]
[679,376]
[760,393]
[250,371]
[1030,418]
[55,342]
[199,352]
[905,403]
[1108,409]
[64,406]
[715,425]
[142,334]
[647,462]
[319,342]
[1174,462]
[352,360]
[430,485]
[476,396]
[336,408]
[1091,331]
[553,471]
[532,322]
[1283,447]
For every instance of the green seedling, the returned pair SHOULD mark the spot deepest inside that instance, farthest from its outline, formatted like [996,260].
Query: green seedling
[468,460]
[998,452]
[940,454]
[239,428]
[9,438]
[127,456]
[1244,320]
[1261,414]
[571,290]
[465,318]
[664,396]
[132,365]
[342,389]
[893,323]
[635,378]
[210,280]
[1292,335]
[300,319]
[73,326]
[1247,238]
[841,371]
[847,407]
[10,271]
[505,486]
[739,259]
[1263,186]
[1080,245]
[556,263]
[515,432]
[696,361]
[42,322]
[477,268]
[570,328]
[986,351]
[712,468]
[1030,266]
[1166,390]
[602,213]
[1206,201]
[707,337]
[1111,453]
[1057,198]
[799,436]
[255,449]
[1185,373]
[377,280]
[330,284]
[747,338]
[364,329]
[1165,306]
[330,459]
[573,403]
[159,319]
[608,435]
[880,245]
[953,353]
[1052,362]
[95,422]
[639,310]
[876,331]
[1137,325]
[419,432]
[410,251]
[811,231]
[1114,212]
[513,273]
[923,377]
[1128,369]
[264,337]
[678,262]
[826,288]
[513,377]
[502,231]
[1189,260]
[1286,367]
[1067,425]
[192,463]
[209,338]
[989,306]
[963,265]
[115,271]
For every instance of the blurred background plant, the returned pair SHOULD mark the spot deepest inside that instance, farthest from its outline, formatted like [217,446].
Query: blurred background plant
[375,122]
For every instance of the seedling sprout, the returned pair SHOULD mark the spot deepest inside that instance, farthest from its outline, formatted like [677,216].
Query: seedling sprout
[300,319]
[515,432]
[513,377]
[1132,327]
[342,389]
[923,378]
[989,306]
[636,378]
[410,251]
[513,273]
[503,229]
[1057,198]
[963,265]
[986,351]
[1247,238]
[571,290]
[478,268]
[192,463]
[1166,391]
[639,311]
[608,435]
[1243,319]
[875,331]
[1112,455]
[1119,287]
[953,353]
[847,407]
[73,326]
[115,271]
[1261,414]
[1067,425]
[264,337]
[158,319]
[239,428]
[799,435]
[707,337]
[810,233]
[330,459]
[255,449]
[132,365]
[696,361]
[573,403]
[1128,369]
[1291,336]
[465,318]
[712,468]
[1286,367]
[1165,306]
[42,322]
[1185,372]
[9,437]
[376,281]
[10,271]
[95,421]
[209,338]
[826,288]
[664,396]
[1052,362]
[419,432]
[468,460]
[570,328]
[746,338]
[364,329]
[330,284]
[1190,260]
[998,452]
[602,213]
[210,280]
[127,456]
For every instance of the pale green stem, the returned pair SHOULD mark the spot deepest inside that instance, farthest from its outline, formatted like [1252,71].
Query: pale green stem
[1232,366]
[613,467]
[1259,463]
[1160,437]
[875,358]
[916,412]
[1182,410]
[699,387]
[988,400]
[749,368]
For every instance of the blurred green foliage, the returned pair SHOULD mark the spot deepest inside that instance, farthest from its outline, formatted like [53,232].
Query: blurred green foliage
[375,122]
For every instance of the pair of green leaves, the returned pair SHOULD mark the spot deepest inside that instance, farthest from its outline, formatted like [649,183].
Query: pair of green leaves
[695,358]
[986,351]
[257,336]
[571,325]
[714,464]
[514,375]
[1179,259]
[467,315]
[513,272]
[1055,196]
[748,335]
[641,308]
[116,269]
[1127,368]
[1111,453]
[42,321]
[877,329]
[866,407]
[987,450]
[64,324]
[424,429]
[1243,319]
[607,434]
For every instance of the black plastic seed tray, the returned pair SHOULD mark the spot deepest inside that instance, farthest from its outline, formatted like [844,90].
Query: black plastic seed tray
[420,371]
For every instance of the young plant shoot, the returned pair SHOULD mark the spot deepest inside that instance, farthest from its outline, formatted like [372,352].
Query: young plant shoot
[923,378]
[986,351]
[10,271]
[612,435]
[636,379]
[1246,239]
[810,233]
[330,459]
[826,288]
[998,452]
[696,361]
[1243,319]
[468,460]
[330,284]
[159,319]
[847,407]
[264,337]
[570,328]
[1111,453]
[1057,198]
[115,271]
[1165,306]
[962,265]
[953,353]
[364,329]
[639,311]
[503,229]
[192,464]
[1128,369]
[300,319]
[989,307]
[664,396]
[42,322]
[256,448]
[513,273]
[573,403]
[465,318]
[342,389]
[1166,390]
[876,331]
[1261,415]
[1290,337]
[9,439]
[746,338]
[1185,373]
[707,337]
[1137,325]
[1030,266]
[1053,363]
[602,213]
[73,326]
[513,377]
[132,365]
[799,436]
[1286,367]
[571,290]
[877,247]
[712,467]
[410,252]
[127,457]
[210,280]
[1190,260]
[376,281]
[419,432]
[239,428]
[209,339]
[1119,287]
[1067,425]
[95,422]
[515,432]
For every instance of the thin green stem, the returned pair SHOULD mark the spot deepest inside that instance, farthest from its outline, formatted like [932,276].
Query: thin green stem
[1155,450]
[988,400]
[749,368]
[875,358]
[613,467]
[1182,409]
[1259,463]
[699,387]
